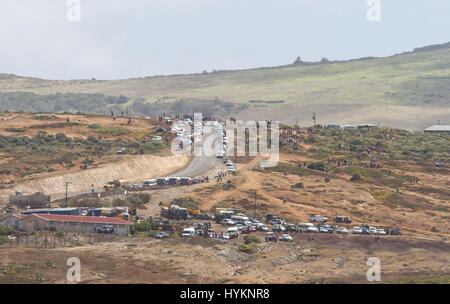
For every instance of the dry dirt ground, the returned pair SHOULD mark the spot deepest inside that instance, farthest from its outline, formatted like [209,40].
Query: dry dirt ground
[418,213]
[327,259]
[127,168]
[421,254]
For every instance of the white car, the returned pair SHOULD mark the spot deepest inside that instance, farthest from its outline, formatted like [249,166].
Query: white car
[357,230]
[342,230]
[157,138]
[318,218]
[263,228]
[231,168]
[307,227]
[227,222]
[381,231]
[372,230]
[285,238]
[188,232]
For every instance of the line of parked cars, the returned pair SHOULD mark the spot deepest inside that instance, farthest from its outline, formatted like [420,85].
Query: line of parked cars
[279,225]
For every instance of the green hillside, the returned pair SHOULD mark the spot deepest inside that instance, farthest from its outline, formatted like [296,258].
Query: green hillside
[410,90]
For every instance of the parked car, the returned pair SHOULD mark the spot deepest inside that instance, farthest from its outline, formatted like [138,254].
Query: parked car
[290,227]
[227,222]
[381,232]
[231,168]
[318,218]
[342,230]
[121,151]
[395,231]
[133,186]
[357,230]
[307,227]
[263,228]
[372,230]
[187,232]
[270,237]
[248,229]
[324,229]
[278,228]
[342,219]
[162,235]
[286,238]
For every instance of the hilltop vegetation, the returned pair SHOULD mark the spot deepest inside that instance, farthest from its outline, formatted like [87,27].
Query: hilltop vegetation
[70,102]
[384,143]
[409,90]
[38,143]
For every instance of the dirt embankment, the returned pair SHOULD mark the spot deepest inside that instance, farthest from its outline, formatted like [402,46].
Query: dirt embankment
[132,169]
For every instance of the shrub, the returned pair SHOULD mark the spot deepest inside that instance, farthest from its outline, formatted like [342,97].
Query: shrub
[249,249]
[6,229]
[317,166]
[252,239]
[3,239]
[175,235]
[185,202]
[297,186]
[155,225]
[355,177]
[143,226]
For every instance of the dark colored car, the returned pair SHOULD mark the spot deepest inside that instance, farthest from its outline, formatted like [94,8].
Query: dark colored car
[342,219]
[396,231]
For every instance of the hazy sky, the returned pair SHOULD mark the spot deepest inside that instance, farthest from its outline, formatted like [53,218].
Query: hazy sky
[135,38]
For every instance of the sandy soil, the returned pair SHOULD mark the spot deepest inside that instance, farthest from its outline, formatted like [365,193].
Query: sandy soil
[327,259]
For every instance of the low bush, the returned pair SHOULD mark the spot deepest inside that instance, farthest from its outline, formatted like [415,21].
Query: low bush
[248,248]
[252,239]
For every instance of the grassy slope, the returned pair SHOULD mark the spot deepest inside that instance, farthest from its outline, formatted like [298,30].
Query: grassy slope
[409,90]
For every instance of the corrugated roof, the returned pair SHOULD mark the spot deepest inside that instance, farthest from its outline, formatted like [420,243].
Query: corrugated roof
[16,215]
[82,219]
[438,128]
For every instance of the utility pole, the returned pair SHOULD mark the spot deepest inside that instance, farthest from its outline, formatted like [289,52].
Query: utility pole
[67,187]
[314,119]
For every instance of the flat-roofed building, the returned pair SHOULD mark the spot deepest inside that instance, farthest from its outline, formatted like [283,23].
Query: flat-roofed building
[438,129]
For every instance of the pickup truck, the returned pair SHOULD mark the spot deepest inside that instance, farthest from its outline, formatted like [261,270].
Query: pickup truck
[318,218]
[111,185]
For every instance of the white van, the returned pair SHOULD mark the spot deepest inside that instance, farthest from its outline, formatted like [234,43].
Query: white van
[150,182]
[188,232]
[307,227]
[233,230]
[239,219]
